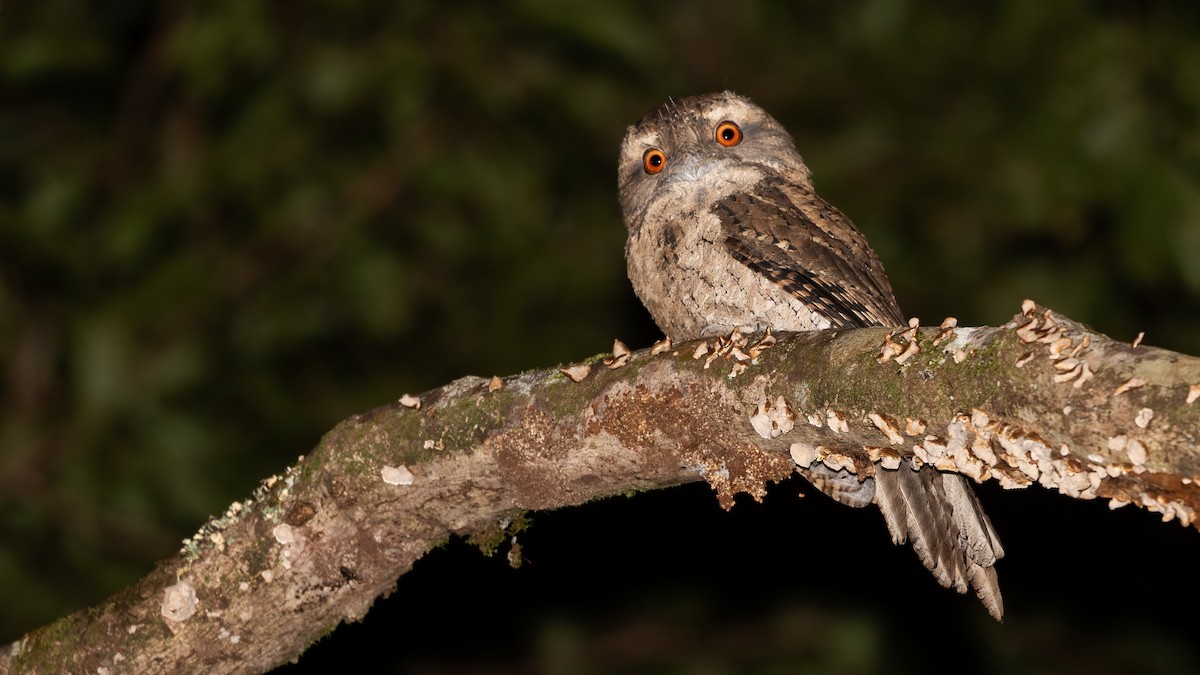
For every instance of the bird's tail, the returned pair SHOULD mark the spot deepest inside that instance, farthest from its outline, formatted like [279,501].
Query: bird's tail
[940,514]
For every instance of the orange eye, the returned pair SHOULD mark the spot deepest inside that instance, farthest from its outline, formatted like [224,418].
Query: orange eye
[729,134]
[654,160]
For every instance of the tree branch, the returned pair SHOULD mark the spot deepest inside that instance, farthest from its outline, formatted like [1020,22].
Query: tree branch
[1041,399]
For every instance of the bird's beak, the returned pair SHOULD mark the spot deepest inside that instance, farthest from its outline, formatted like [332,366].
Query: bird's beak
[692,168]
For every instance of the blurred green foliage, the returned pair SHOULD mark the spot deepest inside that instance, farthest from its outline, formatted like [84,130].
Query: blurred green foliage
[225,226]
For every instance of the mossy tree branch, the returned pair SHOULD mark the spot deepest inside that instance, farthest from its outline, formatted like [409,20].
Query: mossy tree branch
[1040,399]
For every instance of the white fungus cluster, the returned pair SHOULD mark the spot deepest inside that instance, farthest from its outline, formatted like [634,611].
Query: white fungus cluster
[976,444]
[734,347]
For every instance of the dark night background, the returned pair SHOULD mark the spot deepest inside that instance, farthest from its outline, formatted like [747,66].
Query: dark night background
[225,226]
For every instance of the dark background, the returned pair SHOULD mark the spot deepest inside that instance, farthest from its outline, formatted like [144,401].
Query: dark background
[225,226]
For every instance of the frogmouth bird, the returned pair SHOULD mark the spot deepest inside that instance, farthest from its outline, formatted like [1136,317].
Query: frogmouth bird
[725,232]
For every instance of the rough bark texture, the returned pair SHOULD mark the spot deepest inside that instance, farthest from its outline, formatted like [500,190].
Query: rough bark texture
[1041,399]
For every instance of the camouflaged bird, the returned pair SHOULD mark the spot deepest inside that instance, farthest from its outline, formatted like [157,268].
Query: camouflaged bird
[725,232]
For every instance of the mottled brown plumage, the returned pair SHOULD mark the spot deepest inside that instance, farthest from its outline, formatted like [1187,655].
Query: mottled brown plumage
[726,231]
